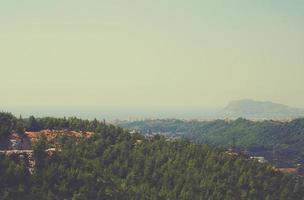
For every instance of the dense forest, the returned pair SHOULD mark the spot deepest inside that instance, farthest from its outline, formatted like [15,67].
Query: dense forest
[280,142]
[116,164]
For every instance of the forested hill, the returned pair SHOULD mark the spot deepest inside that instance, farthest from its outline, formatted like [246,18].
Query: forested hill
[115,164]
[279,141]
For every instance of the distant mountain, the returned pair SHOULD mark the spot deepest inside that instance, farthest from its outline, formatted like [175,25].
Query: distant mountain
[252,109]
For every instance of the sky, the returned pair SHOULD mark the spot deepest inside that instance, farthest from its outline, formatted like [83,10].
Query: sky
[149,55]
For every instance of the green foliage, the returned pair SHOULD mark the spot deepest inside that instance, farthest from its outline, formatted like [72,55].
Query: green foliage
[14,179]
[7,124]
[39,152]
[114,164]
[272,139]
[71,123]
[32,124]
[20,127]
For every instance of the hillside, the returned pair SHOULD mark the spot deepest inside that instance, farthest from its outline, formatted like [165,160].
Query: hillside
[252,109]
[282,143]
[114,164]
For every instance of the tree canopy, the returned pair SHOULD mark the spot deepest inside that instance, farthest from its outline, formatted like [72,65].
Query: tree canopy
[116,164]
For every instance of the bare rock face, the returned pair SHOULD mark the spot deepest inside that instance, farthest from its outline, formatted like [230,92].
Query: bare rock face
[20,146]
[17,142]
[53,135]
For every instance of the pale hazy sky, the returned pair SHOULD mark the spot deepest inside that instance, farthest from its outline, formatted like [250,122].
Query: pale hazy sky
[149,54]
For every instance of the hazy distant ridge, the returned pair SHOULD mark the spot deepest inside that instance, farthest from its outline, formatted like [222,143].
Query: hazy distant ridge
[260,109]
